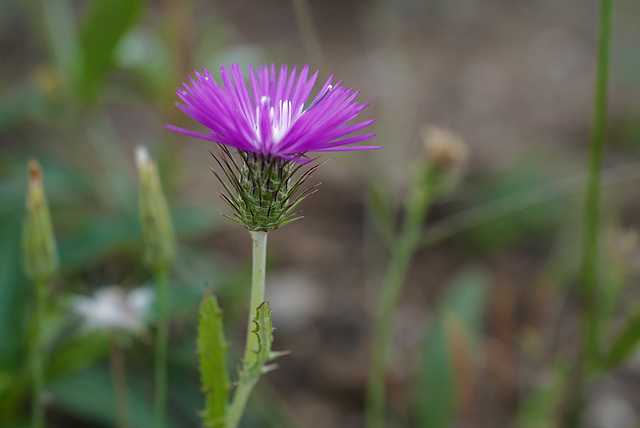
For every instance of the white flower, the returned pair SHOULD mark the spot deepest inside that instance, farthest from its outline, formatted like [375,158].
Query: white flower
[114,307]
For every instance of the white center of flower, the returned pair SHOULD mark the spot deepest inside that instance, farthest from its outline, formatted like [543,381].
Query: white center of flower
[281,123]
[281,118]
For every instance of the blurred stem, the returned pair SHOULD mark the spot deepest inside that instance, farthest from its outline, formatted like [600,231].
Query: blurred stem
[396,272]
[589,298]
[37,413]
[162,342]
[118,368]
[308,31]
[246,383]
[501,207]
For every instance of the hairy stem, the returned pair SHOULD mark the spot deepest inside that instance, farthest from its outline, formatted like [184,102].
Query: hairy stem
[396,272]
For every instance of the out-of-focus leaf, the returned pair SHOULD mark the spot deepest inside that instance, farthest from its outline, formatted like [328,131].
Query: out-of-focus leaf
[104,25]
[99,237]
[539,408]
[89,394]
[16,107]
[436,395]
[530,224]
[14,292]
[212,351]
[76,354]
[62,37]
[625,343]
[444,383]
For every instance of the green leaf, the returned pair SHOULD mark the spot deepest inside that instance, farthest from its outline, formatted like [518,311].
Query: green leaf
[446,360]
[264,332]
[436,395]
[540,406]
[104,25]
[89,395]
[14,295]
[625,343]
[212,348]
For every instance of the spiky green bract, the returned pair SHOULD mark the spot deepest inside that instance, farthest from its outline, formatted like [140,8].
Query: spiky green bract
[261,190]
[212,348]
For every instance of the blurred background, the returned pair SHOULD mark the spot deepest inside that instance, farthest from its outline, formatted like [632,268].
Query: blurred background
[82,83]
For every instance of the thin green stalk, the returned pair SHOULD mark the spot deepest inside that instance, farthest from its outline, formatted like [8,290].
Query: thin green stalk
[392,286]
[246,383]
[162,341]
[37,413]
[590,255]
[118,369]
[258,272]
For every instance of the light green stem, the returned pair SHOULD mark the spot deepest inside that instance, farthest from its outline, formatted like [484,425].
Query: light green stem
[392,286]
[37,413]
[589,298]
[162,341]
[246,383]
[118,369]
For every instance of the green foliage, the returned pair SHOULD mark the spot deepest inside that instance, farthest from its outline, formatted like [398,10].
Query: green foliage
[264,332]
[625,343]
[104,25]
[89,394]
[530,224]
[448,350]
[540,406]
[212,349]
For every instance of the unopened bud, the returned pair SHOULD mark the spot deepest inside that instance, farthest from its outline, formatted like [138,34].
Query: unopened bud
[444,148]
[157,231]
[446,154]
[39,254]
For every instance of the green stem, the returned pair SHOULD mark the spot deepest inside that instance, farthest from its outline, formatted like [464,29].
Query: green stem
[246,383]
[37,413]
[589,327]
[392,286]
[118,369]
[162,341]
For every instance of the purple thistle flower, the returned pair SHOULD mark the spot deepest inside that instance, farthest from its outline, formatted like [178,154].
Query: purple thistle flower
[273,120]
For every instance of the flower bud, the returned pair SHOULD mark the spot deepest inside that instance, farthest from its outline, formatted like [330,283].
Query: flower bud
[446,154]
[157,231]
[444,148]
[40,257]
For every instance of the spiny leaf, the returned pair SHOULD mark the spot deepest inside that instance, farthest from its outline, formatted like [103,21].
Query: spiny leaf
[264,331]
[212,348]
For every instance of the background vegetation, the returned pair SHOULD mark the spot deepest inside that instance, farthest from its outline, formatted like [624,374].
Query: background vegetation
[487,329]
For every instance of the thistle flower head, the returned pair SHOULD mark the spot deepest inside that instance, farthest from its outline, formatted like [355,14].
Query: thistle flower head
[273,125]
[275,118]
